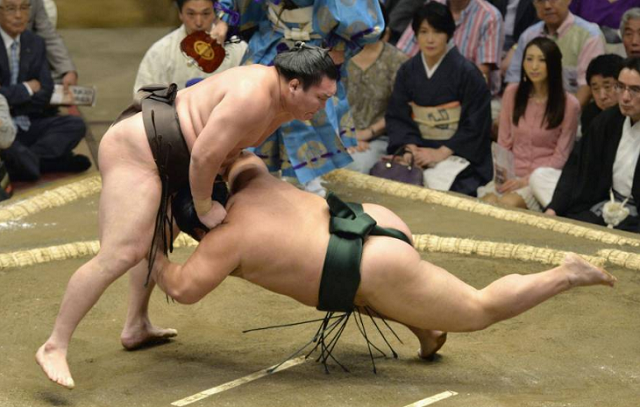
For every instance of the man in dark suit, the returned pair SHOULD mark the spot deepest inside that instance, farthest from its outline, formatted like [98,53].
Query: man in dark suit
[44,142]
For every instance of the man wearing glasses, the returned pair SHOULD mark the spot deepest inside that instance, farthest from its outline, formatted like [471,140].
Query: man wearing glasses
[604,166]
[579,41]
[43,143]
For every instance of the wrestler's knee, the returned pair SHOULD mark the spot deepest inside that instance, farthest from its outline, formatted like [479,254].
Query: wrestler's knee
[114,263]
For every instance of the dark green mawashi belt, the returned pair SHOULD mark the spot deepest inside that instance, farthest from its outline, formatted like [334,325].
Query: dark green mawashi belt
[349,226]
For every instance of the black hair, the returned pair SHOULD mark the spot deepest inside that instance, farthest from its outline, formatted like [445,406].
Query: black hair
[631,63]
[307,63]
[184,211]
[607,66]
[556,98]
[180,3]
[437,15]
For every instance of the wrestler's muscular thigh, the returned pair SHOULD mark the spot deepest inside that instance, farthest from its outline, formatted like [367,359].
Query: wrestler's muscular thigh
[130,195]
[397,283]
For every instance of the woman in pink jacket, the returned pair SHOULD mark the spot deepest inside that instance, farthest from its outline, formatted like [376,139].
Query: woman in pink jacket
[538,124]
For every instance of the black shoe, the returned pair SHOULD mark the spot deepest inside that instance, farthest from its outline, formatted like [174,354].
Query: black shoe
[71,163]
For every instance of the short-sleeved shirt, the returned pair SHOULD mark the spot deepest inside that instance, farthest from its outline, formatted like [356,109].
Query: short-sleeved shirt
[369,90]
[579,41]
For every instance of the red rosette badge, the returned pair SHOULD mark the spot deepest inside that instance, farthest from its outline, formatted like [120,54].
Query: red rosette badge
[203,50]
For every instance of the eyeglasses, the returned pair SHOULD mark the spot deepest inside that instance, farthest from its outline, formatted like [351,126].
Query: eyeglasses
[23,8]
[634,91]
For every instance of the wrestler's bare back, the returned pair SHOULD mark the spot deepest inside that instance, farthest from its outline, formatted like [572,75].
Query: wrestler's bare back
[279,236]
[227,94]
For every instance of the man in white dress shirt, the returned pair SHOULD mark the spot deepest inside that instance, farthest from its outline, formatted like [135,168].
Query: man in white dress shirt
[164,61]
[604,165]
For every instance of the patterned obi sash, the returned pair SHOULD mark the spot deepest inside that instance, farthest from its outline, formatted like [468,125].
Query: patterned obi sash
[280,17]
[437,122]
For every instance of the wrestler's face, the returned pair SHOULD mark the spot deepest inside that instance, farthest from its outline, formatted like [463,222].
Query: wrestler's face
[628,90]
[197,15]
[535,65]
[433,43]
[306,103]
[631,38]
[14,15]
[603,92]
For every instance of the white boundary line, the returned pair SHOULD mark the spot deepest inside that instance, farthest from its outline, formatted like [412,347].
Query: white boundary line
[432,399]
[238,382]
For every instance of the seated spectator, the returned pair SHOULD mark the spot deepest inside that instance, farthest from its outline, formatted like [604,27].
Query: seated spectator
[479,36]
[52,12]
[538,124]
[602,75]
[7,135]
[630,31]
[605,162]
[62,68]
[605,13]
[369,83]
[518,16]
[578,40]
[43,143]
[440,108]
[164,61]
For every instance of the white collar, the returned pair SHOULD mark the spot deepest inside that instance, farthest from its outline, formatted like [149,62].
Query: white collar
[7,39]
[432,71]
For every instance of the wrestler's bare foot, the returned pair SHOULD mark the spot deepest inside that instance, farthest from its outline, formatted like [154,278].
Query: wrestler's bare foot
[583,273]
[53,362]
[144,334]
[430,342]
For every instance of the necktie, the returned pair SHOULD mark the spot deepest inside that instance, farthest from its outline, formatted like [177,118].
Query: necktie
[22,122]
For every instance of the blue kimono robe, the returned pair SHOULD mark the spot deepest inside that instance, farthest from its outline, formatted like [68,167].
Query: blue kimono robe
[311,148]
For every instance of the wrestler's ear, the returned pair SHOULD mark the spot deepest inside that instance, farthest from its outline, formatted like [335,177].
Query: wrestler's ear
[294,84]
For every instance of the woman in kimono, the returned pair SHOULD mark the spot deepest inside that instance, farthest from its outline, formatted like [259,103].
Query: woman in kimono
[440,111]
[307,150]
[538,125]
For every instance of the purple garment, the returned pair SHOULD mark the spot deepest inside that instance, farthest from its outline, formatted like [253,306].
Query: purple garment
[602,12]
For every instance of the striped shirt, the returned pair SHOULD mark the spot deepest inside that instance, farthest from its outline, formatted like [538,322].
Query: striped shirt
[479,34]
[579,41]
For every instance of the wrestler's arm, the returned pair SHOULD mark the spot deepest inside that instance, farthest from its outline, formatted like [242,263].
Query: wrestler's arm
[216,257]
[234,123]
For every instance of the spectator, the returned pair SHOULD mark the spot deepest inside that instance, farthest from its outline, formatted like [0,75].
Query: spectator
[440,108]
[606,161]
[400,17]
[63,69]
[479,36]
[579,41]
[602,75]
[518,16]
[630,31]
[43,143]
[7,135]
[7,128]
[369,84]
[307,150]
[538,124]
[605,13]
[164,61]
[52,12]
